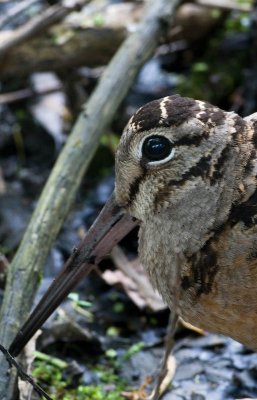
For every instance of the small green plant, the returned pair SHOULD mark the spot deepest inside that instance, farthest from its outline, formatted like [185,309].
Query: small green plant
[50,377]
[81,303]
[81,306]
[135,348]
[118,307]
[49,372]
[98,20]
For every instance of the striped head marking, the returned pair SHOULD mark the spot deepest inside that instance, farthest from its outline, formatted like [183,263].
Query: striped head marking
[175,149]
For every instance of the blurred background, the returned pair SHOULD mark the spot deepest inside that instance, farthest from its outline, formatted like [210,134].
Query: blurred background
[107,339]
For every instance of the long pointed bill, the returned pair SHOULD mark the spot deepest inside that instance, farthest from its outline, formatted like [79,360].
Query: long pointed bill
[108,229]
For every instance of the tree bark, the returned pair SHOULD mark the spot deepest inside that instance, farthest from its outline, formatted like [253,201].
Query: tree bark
[60,189]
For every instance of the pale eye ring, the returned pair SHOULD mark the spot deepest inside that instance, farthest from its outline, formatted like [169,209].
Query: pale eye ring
[157,148]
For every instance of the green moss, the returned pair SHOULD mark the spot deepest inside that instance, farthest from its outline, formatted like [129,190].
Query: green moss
[50,377]
[96,392]
[48,374]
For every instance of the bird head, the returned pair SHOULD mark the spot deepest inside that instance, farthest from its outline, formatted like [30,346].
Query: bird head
[178,153]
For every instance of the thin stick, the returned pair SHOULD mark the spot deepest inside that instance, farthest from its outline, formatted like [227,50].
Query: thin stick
[36,24]
[226,5]
[24,94]
[16,11]
[22,374]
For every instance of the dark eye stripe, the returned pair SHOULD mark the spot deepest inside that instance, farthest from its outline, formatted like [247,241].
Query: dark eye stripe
[134,188]
[191,140]
[201,168]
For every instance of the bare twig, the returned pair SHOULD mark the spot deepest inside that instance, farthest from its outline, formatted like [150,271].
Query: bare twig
[38,23]
[23,94]
[15,11]
[226,5]
[22,374]
[95,46]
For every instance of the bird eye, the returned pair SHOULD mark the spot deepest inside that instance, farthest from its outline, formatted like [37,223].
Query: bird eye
[156,148]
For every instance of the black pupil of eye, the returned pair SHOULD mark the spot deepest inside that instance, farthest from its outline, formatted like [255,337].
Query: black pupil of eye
[156,148]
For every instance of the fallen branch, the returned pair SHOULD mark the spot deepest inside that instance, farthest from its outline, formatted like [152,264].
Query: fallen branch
[24,94]
[16,11]
[61,187]
[226,5]
[36,24]
[74,44]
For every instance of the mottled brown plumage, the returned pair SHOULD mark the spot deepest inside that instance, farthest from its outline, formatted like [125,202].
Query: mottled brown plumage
[197,211]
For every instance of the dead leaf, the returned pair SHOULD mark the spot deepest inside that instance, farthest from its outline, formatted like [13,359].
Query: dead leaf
[132,277]
[140,393]
[25,387]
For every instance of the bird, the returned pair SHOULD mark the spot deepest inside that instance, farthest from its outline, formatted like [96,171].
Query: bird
[186,172]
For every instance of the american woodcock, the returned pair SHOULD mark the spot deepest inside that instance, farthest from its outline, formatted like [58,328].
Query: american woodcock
[186,170]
